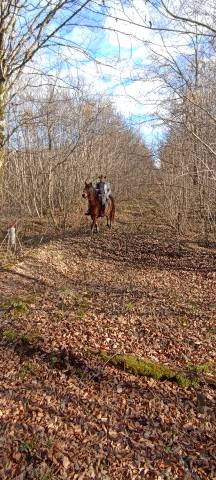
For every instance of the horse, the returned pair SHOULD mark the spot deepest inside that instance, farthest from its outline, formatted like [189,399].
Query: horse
[89,192]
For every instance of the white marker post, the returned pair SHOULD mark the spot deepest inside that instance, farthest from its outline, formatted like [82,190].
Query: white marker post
[12,238]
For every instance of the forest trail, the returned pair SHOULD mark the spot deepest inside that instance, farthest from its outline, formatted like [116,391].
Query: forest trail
[66,415]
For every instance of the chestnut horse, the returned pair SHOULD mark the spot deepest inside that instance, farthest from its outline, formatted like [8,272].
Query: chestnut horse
[94,204]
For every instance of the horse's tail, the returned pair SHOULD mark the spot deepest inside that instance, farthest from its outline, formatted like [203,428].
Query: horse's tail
[112,212]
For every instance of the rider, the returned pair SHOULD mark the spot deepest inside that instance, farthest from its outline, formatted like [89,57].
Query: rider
[108,188]
[103,191]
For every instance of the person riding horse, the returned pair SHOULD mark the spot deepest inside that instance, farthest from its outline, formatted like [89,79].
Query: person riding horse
[95,200]
[103,191]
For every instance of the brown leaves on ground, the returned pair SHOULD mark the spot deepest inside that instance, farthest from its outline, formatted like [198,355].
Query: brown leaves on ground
[64,415]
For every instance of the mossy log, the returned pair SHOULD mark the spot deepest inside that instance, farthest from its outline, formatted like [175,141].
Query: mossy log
[148,368]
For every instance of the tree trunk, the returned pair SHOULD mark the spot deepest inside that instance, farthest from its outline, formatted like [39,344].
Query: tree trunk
[3,91]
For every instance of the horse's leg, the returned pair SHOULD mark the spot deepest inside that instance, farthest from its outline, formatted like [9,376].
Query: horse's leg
[109,223]
[94,226]
[109,216]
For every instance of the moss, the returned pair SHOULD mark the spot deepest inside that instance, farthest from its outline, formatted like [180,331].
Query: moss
[182,319]
[202,367]
[193,307]
[81,302]
[148,368]
[79,372]
[34,253]
[129,306]
[212,331]
[81,313]
[25,370]
[81,306]
[53,360]
[8,266]
[18,305]
[10,335]
[31,338]
[186,382]
[66,292]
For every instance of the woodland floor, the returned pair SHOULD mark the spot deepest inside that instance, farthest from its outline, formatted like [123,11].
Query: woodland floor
[64,414]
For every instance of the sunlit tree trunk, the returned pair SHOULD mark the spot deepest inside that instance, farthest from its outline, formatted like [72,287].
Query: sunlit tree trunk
[3,92]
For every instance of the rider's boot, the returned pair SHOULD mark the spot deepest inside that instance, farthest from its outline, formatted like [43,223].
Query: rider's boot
[102,212]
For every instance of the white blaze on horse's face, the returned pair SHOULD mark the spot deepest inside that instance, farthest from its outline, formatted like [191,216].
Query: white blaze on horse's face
[84,194]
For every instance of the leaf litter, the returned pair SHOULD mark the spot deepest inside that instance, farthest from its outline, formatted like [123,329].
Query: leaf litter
[65,414]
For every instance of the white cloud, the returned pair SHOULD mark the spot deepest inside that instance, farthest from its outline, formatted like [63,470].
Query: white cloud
[122,55]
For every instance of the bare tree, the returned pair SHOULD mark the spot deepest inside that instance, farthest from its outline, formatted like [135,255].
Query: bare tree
[25,28]
[56,151]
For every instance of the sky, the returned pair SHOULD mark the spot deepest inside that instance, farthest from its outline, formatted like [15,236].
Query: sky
[119,65]
[115,59]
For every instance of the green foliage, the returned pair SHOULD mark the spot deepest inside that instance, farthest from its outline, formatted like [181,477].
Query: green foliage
[29,445]
[19,306]
[130,306]
[53,360]
[26,369]
[148,368]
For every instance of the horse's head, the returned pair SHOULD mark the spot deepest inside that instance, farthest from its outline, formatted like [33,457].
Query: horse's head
[87,189]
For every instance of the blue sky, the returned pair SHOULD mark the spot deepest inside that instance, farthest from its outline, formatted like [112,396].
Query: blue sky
[112,62]
[118,65]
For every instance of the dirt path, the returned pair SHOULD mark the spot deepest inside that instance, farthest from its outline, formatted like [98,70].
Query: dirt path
[67,416]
